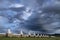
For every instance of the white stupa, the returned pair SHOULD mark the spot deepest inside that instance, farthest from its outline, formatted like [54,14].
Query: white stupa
[21,32]
[29,33]
[9,31]
[34,34]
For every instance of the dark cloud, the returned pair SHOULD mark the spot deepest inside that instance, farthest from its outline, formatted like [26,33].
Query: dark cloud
[41,16]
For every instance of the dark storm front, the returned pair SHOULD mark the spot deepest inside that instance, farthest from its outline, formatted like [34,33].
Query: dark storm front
[39,16]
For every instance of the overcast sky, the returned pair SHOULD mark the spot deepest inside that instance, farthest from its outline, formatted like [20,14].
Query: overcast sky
[42,16]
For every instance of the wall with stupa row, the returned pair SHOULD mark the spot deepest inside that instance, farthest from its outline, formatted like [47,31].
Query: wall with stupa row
[24,35]
[10,34]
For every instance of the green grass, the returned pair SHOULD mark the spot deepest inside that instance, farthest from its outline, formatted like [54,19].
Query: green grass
[6,38]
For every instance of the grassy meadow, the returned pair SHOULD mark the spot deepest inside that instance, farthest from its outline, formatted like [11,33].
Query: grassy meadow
[13,38]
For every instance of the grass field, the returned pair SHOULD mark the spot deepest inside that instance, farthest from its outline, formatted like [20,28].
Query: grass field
[5,38]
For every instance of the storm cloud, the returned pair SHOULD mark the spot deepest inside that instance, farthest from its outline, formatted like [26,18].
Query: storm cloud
[41,16]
